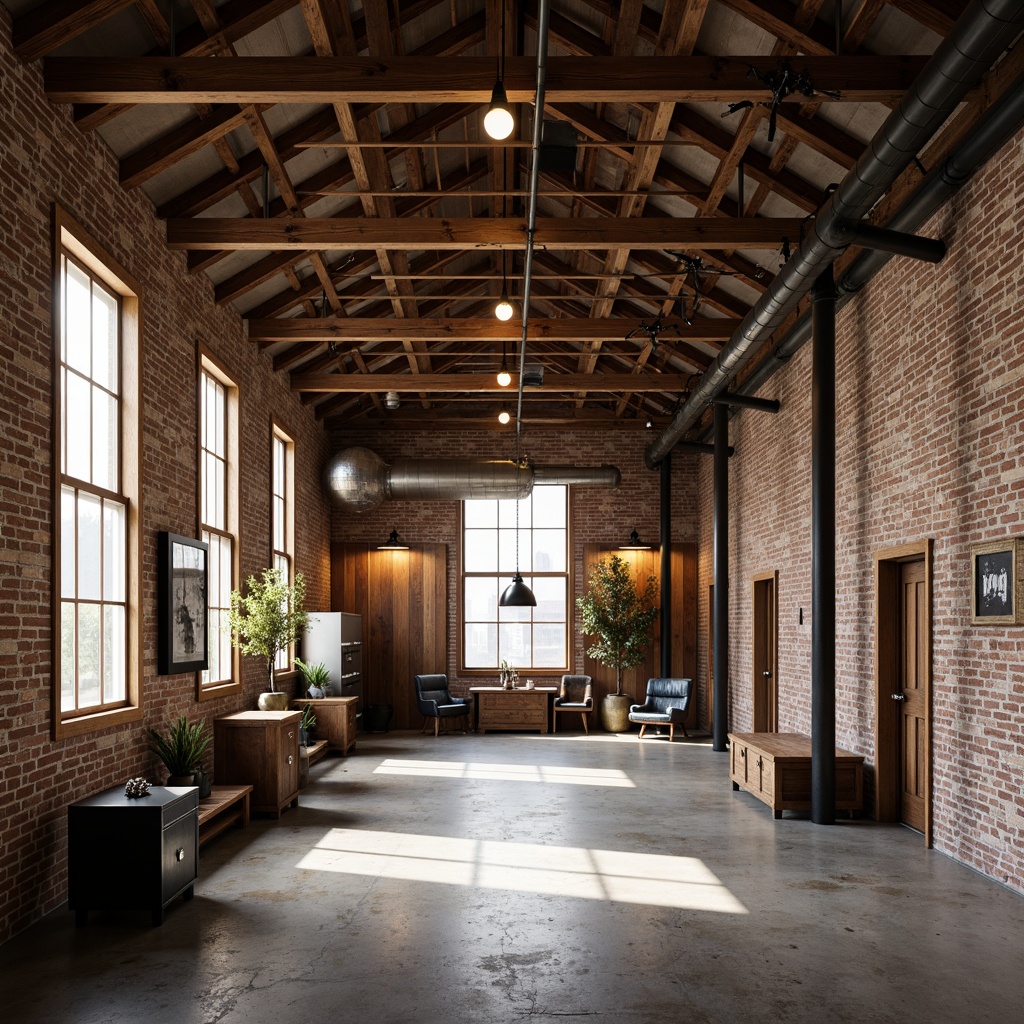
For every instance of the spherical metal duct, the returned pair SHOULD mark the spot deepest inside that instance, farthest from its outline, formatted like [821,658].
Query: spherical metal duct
[357,479]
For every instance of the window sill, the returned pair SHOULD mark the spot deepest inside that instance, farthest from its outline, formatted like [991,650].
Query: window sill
[68,728]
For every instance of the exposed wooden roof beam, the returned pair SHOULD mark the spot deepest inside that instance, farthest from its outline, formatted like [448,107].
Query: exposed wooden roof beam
[456,383]
[482,233]
[467,80]
[359,329]
[52,24]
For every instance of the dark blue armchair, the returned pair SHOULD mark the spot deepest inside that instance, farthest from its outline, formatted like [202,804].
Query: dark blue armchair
[434,701]
[667,703]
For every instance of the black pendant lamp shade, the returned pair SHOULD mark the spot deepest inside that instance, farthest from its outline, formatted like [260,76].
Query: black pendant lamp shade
[517,594]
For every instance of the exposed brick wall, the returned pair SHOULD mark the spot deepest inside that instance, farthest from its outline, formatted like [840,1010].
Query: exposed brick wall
[599,515]
[45,159]
[930,428]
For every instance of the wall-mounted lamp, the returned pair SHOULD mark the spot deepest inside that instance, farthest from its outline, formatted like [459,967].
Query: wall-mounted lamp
[393,543]
[635,543]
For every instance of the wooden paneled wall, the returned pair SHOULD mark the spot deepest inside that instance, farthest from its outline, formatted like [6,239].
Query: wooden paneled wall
[684,622]
[403,598]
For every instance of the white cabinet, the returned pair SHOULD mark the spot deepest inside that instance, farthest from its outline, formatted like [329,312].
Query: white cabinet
[336,639]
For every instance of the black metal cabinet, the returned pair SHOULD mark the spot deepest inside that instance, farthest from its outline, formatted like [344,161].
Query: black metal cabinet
[132,854]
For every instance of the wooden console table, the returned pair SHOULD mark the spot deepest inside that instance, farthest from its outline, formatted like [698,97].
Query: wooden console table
[498,709]
[776,768]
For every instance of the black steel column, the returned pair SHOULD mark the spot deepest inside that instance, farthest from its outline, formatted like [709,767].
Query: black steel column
[823,551]
[720,722]
[666,566]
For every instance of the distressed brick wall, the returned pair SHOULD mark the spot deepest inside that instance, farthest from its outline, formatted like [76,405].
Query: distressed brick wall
[45,159]
[599,515]
[930,427]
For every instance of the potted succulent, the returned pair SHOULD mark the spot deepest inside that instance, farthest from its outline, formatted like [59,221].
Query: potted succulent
[316,677]
[181,749]
[619,616]
[267,620]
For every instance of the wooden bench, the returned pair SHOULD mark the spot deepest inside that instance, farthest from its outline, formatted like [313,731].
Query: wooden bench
[775,767]
[224,807]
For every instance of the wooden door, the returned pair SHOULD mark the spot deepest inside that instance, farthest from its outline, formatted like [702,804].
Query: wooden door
[764,653]
[911,695]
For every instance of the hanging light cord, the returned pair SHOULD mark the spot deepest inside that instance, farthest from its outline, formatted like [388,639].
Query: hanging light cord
[543,18]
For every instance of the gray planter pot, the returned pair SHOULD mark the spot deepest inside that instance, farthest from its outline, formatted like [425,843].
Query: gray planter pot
[615,712]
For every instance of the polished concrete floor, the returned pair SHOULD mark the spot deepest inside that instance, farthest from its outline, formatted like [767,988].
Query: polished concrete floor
[509,877]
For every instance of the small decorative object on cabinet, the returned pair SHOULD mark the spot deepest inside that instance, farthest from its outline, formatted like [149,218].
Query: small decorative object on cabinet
[261,749]
[132,853]
[317,678]
[181,749]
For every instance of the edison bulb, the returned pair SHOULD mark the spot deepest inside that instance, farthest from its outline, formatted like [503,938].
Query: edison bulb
[504,378]
[503,417]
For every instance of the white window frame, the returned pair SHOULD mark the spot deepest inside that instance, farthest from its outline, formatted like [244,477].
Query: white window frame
[282,517]
[119,563]
[503,579]
[218,517]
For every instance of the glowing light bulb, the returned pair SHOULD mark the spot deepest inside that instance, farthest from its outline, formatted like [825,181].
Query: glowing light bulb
[504,310]
[503,417]
[504,378]
[498,121]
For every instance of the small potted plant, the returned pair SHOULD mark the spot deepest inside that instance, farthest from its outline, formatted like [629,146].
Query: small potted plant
[307,726]
[181,749]
[268,620]
[316,677]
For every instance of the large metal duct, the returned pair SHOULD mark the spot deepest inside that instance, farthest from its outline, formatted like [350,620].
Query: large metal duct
[358,479]
[979,36]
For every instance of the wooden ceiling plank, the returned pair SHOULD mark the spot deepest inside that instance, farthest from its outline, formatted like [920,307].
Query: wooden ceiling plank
[158,156]
[52,24]
[937,15]
[777,19]
[415,79]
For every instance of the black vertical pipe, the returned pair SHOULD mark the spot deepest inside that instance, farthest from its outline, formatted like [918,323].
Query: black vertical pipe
[720,723]
[823,550]
[666,566]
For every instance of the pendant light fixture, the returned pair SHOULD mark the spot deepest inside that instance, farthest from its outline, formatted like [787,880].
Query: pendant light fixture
[517,594]
[504,310]
[498,121]
[504,416]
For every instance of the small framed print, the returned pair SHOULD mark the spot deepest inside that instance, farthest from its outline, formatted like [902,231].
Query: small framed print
[997,593]
[183,578]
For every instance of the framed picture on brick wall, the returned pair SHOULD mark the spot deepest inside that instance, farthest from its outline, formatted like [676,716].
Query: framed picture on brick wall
[183,582]
[997,592]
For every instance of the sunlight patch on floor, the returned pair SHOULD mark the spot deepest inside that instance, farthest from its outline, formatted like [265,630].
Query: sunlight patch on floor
[644,878]
[507,772]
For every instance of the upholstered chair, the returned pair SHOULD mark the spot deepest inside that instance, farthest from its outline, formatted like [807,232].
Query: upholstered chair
[434,701]
[576,694]
[666,704]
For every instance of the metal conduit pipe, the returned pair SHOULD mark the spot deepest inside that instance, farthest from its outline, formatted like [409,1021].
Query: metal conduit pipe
[979,36]
[357,479]
[998,125]
[543,18]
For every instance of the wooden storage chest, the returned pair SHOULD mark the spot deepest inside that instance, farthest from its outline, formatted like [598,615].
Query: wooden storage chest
[261,749]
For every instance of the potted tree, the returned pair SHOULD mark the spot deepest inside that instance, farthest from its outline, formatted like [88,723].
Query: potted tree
[181,749]
[268,620]
[619,616]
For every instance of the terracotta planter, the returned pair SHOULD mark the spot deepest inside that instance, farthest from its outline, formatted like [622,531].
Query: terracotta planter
[273,701]
[615,712]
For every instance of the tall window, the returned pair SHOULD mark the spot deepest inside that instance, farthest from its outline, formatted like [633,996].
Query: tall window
[281,505]
[218,404]
[528,638]
[96,530]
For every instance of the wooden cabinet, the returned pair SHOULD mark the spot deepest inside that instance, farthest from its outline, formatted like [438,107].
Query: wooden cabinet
[776,768]
[335,721]
[132,853]
[499,709]
[259,749]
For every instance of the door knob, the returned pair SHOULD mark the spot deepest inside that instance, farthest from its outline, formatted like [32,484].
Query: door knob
[899,696]
[766,673]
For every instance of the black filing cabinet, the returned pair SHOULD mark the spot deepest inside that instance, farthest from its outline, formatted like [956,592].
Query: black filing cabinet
[132,853]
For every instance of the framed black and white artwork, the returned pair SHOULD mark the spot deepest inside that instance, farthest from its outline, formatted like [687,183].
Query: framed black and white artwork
[183,581]
[996,597]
